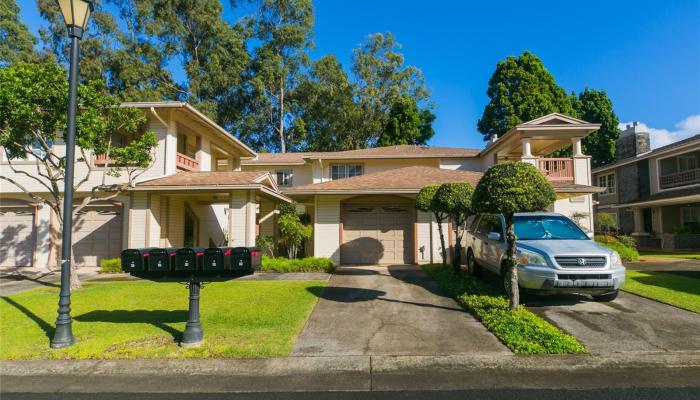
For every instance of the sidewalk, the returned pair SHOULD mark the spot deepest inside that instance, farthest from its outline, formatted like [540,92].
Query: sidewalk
[351,373]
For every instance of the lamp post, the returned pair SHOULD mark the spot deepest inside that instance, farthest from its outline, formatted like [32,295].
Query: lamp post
[76,14]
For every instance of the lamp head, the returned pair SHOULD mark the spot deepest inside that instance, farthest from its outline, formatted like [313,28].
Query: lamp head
[76,14]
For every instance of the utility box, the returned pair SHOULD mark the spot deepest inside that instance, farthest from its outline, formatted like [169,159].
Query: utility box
[217,258]
[161,260]
[188,259]
[134,259]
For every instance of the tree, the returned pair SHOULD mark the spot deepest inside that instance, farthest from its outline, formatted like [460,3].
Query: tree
[284,30]
[407,124]
[508,188]
[456,200]
[293,233]
[33,104]
[521,89]
[595,106]
[382,80]
[16,43]
[425,201]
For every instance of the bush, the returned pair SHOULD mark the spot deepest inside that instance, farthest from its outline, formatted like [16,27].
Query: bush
[520,330]
[267,244]
[309,264]
[619,244]
[111,266]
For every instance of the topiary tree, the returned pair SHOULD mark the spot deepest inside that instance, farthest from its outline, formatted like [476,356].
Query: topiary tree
[505,189]
[456,199]
[425,201]
[293,233]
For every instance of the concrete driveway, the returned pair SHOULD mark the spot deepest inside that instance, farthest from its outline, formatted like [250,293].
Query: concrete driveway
[394,310]
[630,323]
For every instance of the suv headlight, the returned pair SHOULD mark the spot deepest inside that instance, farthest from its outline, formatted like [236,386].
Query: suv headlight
[527,257]
[615,259]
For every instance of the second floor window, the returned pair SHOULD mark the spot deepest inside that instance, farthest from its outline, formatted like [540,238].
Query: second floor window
[284,177]
[340,171]
[608,182]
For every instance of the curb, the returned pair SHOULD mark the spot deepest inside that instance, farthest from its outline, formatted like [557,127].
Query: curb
[353,373]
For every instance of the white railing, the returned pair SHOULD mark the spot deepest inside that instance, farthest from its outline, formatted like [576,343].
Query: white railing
[683,178]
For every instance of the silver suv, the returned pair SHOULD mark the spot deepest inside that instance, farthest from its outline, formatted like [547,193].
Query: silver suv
[554,255]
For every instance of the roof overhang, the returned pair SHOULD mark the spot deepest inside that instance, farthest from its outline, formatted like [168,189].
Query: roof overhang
[195,189]
[351,192]
[660,202]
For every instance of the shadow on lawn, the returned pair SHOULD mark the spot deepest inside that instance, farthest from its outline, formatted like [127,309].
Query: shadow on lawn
[157,318]
[45,326]
[661,280]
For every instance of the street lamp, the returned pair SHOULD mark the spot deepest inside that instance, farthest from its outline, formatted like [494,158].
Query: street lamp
[76,14]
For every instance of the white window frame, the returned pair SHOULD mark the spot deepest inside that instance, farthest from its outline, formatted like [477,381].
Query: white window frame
[288,173]
[686,157]
[346,170]
[606,178]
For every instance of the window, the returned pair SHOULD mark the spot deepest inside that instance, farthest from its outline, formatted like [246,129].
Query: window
[340,171]
[490,223]
[690,218]
[284,177]
[608,182]
[547,228]
[687,163]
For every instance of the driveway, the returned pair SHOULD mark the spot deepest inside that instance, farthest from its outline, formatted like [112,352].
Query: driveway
[630,323]
[395,310]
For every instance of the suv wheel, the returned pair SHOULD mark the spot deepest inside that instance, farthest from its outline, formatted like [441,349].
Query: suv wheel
[606,297]
[472,266]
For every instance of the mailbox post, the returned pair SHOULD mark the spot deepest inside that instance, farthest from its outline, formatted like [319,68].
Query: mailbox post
[193,335]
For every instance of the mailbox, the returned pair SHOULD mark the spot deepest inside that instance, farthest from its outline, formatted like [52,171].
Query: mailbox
[246,258]
[161,259]
[217,258]
[255,258]
[188,259]
[134,259]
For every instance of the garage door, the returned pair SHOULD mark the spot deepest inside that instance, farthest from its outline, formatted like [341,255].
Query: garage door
[17,236]
[97,234]
[377,234]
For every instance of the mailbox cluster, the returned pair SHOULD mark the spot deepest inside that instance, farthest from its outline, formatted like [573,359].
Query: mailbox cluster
[186,262]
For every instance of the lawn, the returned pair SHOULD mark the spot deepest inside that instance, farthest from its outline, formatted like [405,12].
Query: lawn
[667,287]
[521,331]
[142,319]
[680,256]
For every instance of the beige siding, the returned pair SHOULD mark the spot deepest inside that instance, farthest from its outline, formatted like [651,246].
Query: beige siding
[423,235]
[176,230]
[462,164]
[212,220]
[267,226]
[372,166]
[327,227]
[237,218]
[301,173]
[139,220]
[579,204]
[154,223]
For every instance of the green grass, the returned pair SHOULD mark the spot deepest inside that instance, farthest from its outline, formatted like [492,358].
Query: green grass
[680,256]
[308,264]
[676,290]
[521,331]
[142,319]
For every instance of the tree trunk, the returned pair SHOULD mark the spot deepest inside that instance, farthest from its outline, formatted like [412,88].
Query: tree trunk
[283,146]
[512,270]
[457,262]
[442,239]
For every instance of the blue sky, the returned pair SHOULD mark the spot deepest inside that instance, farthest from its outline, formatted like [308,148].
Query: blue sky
[645,54]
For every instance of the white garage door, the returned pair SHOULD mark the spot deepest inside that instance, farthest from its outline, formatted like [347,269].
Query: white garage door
[17,236]
[97,234]
[377,234]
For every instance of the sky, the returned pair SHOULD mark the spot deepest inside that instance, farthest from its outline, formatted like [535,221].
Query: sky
[644,54]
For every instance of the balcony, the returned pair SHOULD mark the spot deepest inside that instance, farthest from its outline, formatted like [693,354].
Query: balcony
[186,163]
[557,169]
[99,160]
[678,179]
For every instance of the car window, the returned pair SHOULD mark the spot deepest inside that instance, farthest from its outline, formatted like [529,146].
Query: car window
[489,223]
[547,228]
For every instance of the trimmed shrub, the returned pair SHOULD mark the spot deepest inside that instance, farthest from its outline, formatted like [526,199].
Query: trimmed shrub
[111,266]
[308,264]
[628,253]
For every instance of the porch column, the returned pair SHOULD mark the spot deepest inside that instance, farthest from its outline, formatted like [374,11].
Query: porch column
[638,222]
[576,147]
[241,218]
[527,150]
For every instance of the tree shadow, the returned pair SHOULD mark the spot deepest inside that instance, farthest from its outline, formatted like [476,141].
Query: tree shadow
[45,326]
[17,277]
[367,251]
[415,276]
[660,279]
[354,271]
[355,295]
[157,318]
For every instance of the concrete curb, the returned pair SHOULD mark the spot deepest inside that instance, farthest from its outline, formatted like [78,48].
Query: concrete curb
[353,373]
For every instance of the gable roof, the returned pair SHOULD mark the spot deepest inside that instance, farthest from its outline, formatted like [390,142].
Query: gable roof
[398,151]
[663,149]
[399,180]
[220,178]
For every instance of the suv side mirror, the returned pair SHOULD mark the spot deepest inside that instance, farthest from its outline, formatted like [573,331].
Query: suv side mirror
[494,236]
[590,235]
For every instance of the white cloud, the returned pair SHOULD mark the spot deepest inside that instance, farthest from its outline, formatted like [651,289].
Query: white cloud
[661,137]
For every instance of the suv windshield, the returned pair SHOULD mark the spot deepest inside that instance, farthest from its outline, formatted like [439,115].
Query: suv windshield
[546,227]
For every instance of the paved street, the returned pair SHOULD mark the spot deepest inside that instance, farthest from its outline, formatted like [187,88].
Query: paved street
[391,310]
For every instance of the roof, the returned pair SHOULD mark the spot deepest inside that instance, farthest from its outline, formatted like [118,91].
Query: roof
[570,187]
[223,133]
[402,180]
[399,151]
[679,196]
[657,151]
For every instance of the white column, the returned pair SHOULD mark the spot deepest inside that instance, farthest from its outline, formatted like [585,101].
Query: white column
[527,150]
[638,223]
[170,148]
[576,145]
[251,213]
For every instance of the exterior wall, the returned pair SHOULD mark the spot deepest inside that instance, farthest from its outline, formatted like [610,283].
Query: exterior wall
[212,223]
[302,174]
[372,166]
[266,218]
[327,227]
[580,204]
[138,217]
[462,164]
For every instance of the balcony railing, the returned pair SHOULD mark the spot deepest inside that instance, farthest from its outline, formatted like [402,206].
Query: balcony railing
[557,169]
[99,160]
[683,178]
[187,163]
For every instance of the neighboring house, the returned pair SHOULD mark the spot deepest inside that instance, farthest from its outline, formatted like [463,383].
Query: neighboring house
[653,195]
[207,188]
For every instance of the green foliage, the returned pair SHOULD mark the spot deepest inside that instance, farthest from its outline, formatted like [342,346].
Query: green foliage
[456,201]
[521,89]
[424,198]
[621,245]
[111,266]
[287,208]
[292,233]
[604,222]
[17,43]
[308,264]
[267,244]
[512,187]
[595,106]
[407,124]
[521,331]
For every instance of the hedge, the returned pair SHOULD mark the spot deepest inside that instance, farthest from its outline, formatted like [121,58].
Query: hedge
[622,245]
[309,264]
[111,266]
